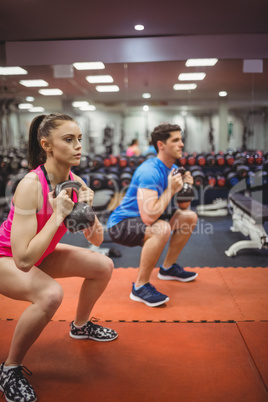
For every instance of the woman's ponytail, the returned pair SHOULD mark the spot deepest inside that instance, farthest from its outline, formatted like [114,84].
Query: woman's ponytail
[36,154]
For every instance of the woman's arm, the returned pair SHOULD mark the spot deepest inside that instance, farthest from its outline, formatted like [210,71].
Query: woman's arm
[27,246]
[94,234]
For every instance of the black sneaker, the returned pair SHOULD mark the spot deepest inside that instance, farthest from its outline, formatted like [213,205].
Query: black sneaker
[14,385]
[176,273]
[148,295]
[93,331]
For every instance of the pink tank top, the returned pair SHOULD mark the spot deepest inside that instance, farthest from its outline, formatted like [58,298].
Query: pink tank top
[42,217]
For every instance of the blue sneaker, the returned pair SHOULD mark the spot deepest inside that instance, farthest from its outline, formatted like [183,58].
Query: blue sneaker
[149,295]
[176,273]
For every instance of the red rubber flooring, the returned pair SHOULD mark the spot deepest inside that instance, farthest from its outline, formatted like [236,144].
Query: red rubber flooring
[187,362]
[218,294]
[208,344]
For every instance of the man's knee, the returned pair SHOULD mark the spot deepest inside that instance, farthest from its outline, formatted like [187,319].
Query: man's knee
[185,220]
[161,229]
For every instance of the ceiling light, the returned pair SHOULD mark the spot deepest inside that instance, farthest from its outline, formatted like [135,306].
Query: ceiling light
[29,98]
[25,106]
[139,27]
[89,108]
[183,87]
[37,109]
[191,76]
[107,88]
[145,108]
[222,93]
[50,91]
[94,79]
[34,83]
[96,65]
[80,103]
[200,62]
[12,71]
[146,95]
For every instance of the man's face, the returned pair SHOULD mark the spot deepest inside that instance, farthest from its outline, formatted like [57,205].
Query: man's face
[174,145]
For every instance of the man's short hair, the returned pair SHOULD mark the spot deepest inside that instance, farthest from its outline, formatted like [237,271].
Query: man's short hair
[162,133]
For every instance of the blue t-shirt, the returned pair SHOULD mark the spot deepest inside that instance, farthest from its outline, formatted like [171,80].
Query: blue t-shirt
[151,174]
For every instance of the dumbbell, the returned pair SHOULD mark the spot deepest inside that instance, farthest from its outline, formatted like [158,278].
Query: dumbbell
[82,215]
[182,161]
[220,160]
[96,163]
[250,159]
[221,179]
[123,161]
[186,194]
[114,160]
[242,171]
[231,178]
[210,160]
[112,181]
[211,179]
[97,181]
[258,157]
[229,159]
[132,161]
[107,161]
[125,178]
[201,160]
[191,160]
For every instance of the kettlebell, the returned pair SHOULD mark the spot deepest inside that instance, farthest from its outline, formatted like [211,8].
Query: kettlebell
[186,194]
[82,215]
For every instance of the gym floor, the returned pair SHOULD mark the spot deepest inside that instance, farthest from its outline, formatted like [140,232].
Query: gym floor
[207,344]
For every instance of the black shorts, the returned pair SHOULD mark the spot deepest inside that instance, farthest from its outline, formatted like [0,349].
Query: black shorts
[129,232]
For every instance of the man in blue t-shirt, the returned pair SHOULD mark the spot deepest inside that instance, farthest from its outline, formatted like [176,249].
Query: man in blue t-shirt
[137,220]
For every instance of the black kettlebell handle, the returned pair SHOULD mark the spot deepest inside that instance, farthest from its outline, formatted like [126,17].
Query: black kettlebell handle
[82,215]
[67,184]
[180,170]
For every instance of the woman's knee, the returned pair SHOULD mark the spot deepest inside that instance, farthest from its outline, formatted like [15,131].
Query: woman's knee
[50,297]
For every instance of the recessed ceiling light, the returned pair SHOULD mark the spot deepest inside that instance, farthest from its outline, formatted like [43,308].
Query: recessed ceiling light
[146,95]
[88,108]
[37,109]
[95,65]
[139,27]
[146,108]
[191,76]
[222,93]
[94,79]
[200,62]
[25,106]
[50,91]
[12,71]
[34,83]
[183,87]
[107,88]
[29,98]
[80,103]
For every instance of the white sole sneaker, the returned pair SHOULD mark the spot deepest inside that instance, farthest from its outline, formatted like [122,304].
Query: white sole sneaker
[175,278]
[138,299]
[217,204]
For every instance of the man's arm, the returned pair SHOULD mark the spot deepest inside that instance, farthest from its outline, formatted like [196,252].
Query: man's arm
[151,206]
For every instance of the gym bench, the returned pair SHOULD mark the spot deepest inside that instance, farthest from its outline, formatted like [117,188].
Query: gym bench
[249,217]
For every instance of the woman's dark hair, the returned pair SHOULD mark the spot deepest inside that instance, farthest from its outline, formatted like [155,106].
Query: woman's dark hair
[41,127]
[133,142]
[162,133]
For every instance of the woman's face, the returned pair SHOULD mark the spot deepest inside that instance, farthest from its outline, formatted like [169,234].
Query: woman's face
[65,143]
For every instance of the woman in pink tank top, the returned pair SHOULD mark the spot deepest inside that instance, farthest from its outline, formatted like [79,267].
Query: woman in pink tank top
[31,256]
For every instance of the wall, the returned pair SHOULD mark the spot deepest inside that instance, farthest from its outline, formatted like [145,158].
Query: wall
[139,124]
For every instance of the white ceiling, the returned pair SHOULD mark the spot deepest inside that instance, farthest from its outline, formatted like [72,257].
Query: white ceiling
[40,34]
